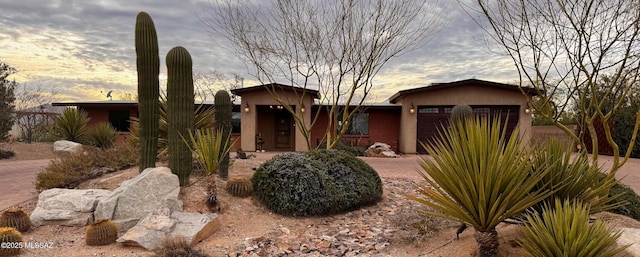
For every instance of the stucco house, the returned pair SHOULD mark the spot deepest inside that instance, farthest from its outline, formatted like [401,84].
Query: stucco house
[411,116]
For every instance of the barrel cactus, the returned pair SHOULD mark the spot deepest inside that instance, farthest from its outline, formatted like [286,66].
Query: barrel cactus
[11,240]
[461,112]
[148,65]
[15,218]
[180,112]
[239,186]
[101,232]
[223,123]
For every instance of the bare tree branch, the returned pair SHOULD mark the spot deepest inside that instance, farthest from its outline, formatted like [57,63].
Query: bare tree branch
[336,47]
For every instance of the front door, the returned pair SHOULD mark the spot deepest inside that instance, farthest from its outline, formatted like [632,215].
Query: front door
[283,129]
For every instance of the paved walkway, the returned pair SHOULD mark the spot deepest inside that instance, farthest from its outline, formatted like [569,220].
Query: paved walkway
[17,180]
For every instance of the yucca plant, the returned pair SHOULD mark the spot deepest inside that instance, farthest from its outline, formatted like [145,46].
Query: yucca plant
[203,117]
[208,146]
[565,230]
[103,135]
[574,178]
[478,176]
[71,125]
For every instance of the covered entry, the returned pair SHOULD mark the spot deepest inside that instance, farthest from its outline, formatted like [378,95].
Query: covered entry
[432,119]
[276,128]
[265,119]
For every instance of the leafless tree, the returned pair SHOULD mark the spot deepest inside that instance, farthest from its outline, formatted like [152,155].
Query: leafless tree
[566,47]
[206,84]
[33,109]
[335,47]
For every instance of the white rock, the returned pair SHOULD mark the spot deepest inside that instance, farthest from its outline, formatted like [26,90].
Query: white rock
[70,207]
[153,228]
[153,189]
[67,146]
[630,236]
[381,146]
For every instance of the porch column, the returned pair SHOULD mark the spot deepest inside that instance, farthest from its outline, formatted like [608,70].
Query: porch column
[248,126]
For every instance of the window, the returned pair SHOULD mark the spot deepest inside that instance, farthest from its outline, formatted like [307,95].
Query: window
[119,120]
[359,124]
[428,110]
[235,122]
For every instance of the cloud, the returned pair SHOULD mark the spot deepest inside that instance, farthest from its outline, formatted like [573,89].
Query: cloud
[82,47]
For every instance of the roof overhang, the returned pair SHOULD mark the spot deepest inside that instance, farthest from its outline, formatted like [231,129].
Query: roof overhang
[275,88]
[437,86]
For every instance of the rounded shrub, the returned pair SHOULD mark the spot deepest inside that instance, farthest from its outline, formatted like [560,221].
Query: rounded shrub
[353,177]
[320,182]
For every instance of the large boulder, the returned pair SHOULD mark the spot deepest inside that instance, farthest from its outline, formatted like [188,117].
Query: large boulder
[152,229]
[153,189]
[67,207]
[630,236]
[67,146]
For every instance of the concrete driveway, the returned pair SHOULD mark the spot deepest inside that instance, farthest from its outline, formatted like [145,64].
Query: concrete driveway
[17,180]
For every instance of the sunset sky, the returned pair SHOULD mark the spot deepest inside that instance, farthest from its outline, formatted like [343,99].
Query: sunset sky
[81,48]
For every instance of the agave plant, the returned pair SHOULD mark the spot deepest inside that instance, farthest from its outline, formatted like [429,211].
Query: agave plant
[564,230]
[72,125]
[209,146]
[574,178]
[478,176]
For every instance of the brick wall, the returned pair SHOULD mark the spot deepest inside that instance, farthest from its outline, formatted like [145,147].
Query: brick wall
[384,126]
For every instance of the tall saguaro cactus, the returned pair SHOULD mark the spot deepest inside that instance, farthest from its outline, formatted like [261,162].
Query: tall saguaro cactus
[223,122]
[179,111]
[148,65]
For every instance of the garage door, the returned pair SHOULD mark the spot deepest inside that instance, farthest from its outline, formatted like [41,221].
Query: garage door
[431,119]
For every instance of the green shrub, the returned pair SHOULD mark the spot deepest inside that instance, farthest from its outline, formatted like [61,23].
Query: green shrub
[565,230]
[355,178]
[628,201]
[355,150]
[70,169]
[103,135]
[72,125]
[298,184]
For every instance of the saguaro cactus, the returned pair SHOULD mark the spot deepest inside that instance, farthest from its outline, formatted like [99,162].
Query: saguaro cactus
[223,122]
[179,111]
[148,65]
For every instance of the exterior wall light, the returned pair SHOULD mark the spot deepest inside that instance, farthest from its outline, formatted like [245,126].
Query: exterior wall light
[412,109]
[527,109]
[302,108]
[246,107]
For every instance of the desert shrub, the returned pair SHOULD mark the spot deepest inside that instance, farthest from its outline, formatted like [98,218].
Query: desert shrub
[298,184]
[177,247]
[6,154]
[355,150]
[628,201]
[565,230]
[70,169]
[72,125]
[103,135]
[574,178]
